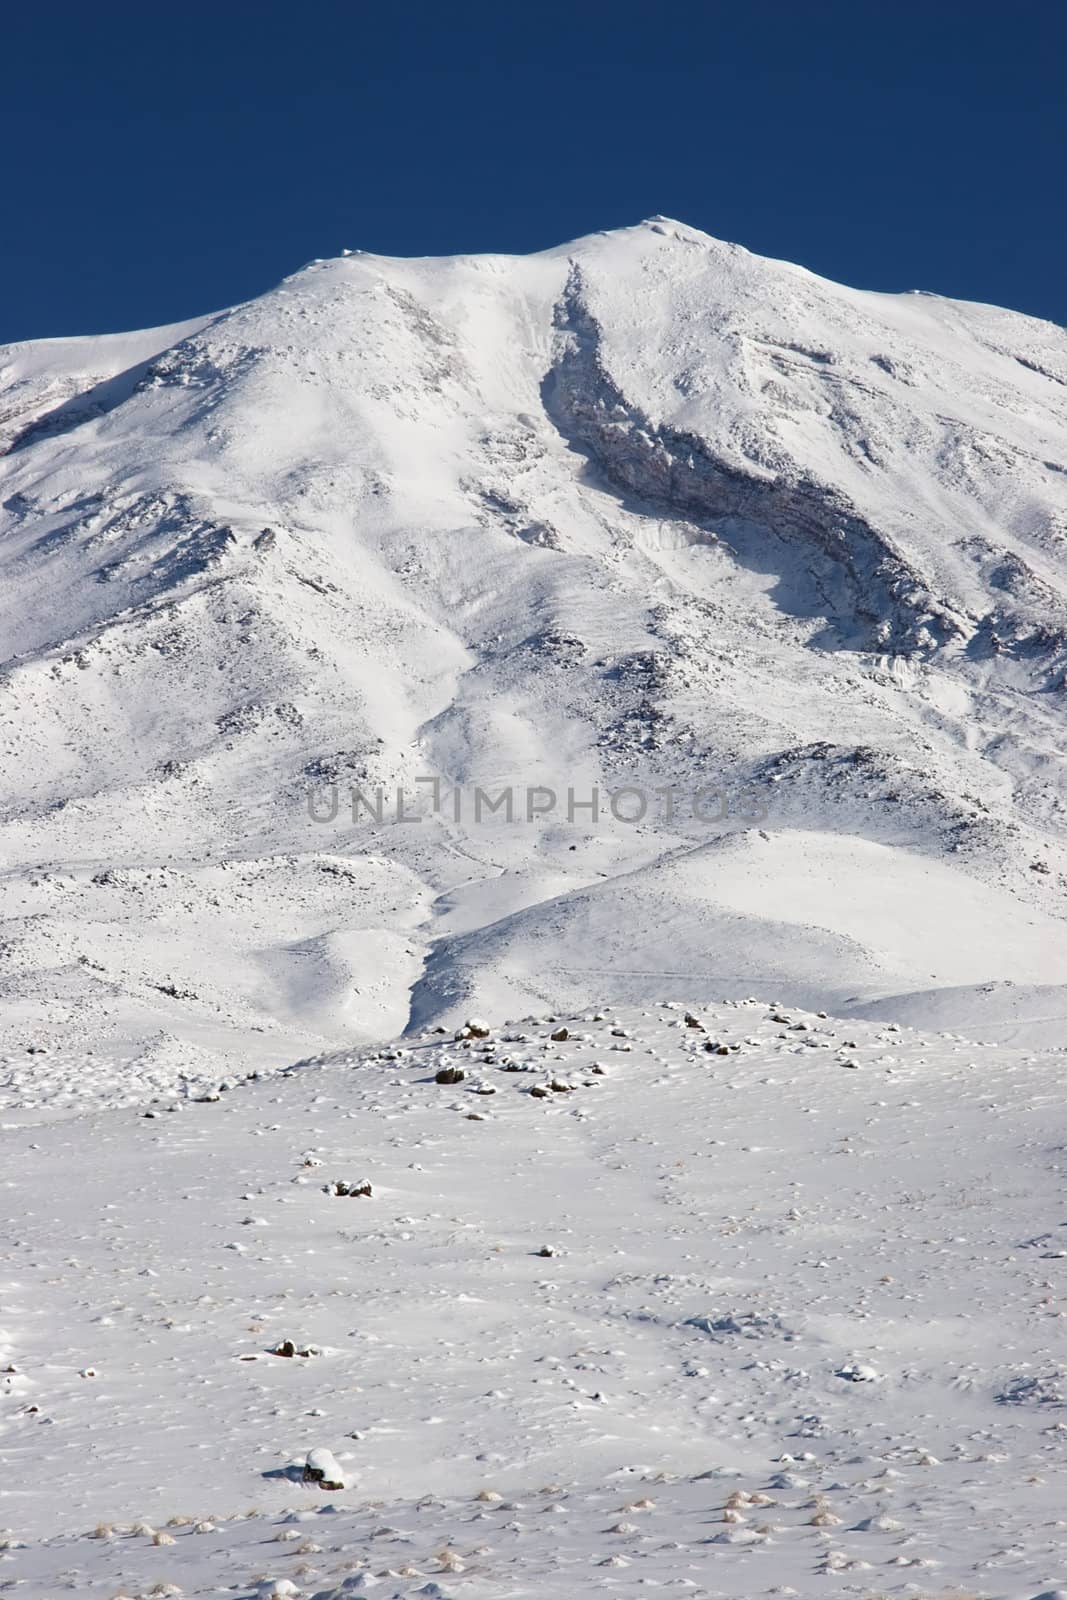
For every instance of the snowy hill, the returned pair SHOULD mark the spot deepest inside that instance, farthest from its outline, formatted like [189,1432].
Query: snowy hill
[641,619]
[645,510]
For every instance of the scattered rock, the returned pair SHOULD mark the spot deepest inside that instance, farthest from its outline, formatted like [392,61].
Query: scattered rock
[276,1589]
[1046,1389]
[857,1372]
[740,1325]
[288,1348]
[321,1467]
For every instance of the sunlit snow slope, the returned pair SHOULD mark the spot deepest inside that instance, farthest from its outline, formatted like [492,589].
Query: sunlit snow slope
[643,511]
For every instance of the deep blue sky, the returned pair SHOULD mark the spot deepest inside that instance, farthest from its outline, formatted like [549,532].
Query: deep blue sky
[167,159]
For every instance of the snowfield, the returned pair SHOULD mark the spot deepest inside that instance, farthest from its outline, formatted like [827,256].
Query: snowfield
[740,599]
[772,1304]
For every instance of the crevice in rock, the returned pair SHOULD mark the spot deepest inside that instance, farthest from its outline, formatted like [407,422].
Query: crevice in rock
[873,599]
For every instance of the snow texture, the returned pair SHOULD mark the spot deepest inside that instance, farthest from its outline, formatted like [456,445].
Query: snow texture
[721,1294]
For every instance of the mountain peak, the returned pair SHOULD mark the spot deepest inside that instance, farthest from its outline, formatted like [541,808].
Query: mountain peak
[611,517]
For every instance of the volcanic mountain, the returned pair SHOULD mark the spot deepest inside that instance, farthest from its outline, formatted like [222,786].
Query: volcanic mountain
[738,596]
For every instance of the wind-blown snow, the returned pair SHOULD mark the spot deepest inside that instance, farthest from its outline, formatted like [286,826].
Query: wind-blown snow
[643,513]
[719,1307]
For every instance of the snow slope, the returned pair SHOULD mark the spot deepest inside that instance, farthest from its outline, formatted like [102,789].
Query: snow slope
[643,510]
[720,1295]
[621,1311]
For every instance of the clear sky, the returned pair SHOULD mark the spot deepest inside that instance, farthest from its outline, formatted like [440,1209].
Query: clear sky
[166,159]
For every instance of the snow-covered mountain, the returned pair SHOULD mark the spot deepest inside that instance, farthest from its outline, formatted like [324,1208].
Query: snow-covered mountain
[734,1265]
[645,512]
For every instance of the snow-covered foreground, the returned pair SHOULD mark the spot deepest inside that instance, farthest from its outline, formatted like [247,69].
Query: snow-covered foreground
[772,1304]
